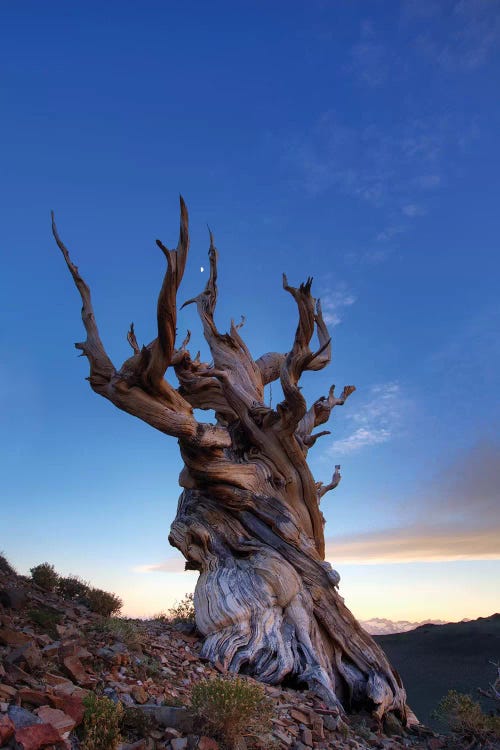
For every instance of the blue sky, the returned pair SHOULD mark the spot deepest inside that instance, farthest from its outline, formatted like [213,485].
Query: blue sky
[354,142]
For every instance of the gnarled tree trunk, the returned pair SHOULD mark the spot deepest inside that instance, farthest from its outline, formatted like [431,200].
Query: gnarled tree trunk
[249,516]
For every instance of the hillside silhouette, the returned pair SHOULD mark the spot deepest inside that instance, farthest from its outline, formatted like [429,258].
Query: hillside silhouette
[433,659]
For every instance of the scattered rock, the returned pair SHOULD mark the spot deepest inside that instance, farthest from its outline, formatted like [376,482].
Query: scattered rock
[21,718]
[39,736]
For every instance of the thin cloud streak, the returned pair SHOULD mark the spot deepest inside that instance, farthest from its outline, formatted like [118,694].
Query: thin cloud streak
[415,544]
[377,421]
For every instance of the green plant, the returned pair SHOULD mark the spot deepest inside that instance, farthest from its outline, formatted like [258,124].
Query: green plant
[161,617]
[73,587]
[46,620]
[120,629]
[103,602]
[101,723]
[45,576]
[150,665]
[182,611]
[230,706]
[5,566]
[465,717]
[136,722]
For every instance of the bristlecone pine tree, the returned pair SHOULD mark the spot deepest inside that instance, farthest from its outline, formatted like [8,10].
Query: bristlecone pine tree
[249,517]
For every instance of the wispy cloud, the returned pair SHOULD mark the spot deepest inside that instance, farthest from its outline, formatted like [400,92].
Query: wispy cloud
[413,209]
[461,511]
[369,59]
[416,544]
[462,36]
[375,422]
[170,565]
[334,301]
[375,165]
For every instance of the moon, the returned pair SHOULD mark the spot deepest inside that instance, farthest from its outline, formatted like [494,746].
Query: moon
[201,269]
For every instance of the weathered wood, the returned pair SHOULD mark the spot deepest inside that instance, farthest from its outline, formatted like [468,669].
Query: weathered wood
[248,518]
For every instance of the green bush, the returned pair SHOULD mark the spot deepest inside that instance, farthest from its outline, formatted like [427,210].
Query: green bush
[46,620]
[465,717]
[103,602]
[45,576]
[227,707]
[101,723]
[5,566]
[73,587]
[122,630]
[183,611]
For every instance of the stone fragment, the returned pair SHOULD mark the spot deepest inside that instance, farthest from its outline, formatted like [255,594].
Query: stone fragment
[179,743]
[139,694]
[207,743]
[71,705]
[61,721]
[7,692]
[331,722]
[10,637]
[33,697]
[300,716]
[12,598]
[76,670]
[283,737]
[39,736]
[7,729]
[307,737]
[28,654]
[22,718]
[435,743]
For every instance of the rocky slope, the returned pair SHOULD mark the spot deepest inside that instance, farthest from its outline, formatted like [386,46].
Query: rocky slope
[54,651]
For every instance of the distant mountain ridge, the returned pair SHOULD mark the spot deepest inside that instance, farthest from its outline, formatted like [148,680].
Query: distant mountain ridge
[433,659]
[382,626]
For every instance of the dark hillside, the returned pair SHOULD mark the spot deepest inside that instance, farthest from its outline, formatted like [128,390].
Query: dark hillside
[433,659]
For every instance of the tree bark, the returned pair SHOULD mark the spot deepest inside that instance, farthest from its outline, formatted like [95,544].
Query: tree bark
[249,516]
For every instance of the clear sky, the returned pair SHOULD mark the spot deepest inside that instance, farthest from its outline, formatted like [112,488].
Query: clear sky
[355,142]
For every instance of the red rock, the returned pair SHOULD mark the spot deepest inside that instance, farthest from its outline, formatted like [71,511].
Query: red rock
[56,679]
[76,670]
[435,743]
[38,736]
[7,729]
[34,697]
[7,692]
[300,716]
[71,705]
[10,637]
[307,737]
[61,721]
[207,743]
[139,694]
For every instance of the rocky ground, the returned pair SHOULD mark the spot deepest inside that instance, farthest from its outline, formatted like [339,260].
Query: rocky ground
[53,652]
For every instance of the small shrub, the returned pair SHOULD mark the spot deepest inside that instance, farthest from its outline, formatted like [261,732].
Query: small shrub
[183,611]
[161,617]
[45,576]
[465,717]
[136,722]
[103,602]
[73,587]
[150,665]
[46,620]
[5,566]
[229,706]
[101,723]
[122,630]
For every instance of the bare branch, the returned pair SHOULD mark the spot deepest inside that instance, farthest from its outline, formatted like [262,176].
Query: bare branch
[132,339]
[101,367]
[162,348]
[324,488]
